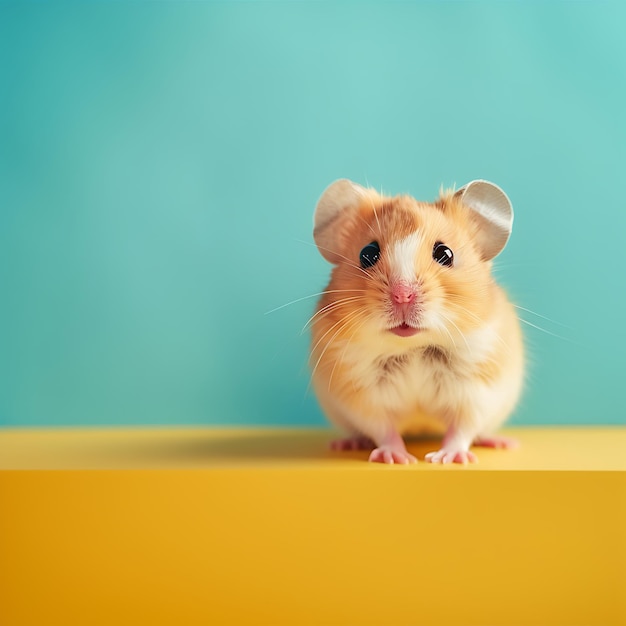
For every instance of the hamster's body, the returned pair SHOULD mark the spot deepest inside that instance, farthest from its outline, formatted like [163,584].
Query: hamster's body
[413,334]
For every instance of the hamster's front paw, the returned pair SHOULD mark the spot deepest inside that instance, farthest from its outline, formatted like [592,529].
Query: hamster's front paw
[450,455]
[391,455]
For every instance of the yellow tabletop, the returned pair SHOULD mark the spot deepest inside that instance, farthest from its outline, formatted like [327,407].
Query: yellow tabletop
[187,526]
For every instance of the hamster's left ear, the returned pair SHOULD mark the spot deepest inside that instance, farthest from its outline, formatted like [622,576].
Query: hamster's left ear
[493,211]
[338,203]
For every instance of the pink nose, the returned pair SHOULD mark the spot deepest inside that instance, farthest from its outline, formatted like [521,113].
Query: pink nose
[403,293]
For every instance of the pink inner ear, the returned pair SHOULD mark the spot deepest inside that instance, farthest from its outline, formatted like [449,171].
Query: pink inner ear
[493,212]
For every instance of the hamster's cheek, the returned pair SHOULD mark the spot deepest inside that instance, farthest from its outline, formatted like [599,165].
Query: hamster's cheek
[438,321]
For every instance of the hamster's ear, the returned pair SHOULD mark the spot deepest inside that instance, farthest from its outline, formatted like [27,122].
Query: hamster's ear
[493,212]
[338,202]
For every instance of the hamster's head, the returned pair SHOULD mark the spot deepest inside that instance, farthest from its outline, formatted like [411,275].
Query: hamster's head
[406,271]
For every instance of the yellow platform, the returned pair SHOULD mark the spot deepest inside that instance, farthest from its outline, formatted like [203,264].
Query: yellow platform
[199,526]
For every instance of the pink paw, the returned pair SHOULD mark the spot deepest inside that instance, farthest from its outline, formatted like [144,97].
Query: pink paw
[497,441]
[352,443]
[389,455]
[451,456]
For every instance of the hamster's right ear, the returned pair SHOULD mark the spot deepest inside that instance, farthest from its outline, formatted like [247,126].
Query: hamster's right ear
[492,210]
[334,208]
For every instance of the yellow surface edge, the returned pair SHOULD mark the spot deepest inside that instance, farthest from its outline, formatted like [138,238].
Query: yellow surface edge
[576,449]
[284,542]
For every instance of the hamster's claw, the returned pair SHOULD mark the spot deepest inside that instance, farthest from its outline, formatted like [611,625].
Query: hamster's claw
[352,443]
[451,456]
[391,455]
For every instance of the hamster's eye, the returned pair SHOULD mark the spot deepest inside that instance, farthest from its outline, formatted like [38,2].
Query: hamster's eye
[442,254]
[369,255]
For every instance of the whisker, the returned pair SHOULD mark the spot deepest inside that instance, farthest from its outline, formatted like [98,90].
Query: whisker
[543,317]
[343,354]
[543,330]
[442,326]
[458,330]
[453,302]
[375,213]
[350,261]
[478,319]
[328,308]
[367,224]
[337,323]
[313,295]
[343,321]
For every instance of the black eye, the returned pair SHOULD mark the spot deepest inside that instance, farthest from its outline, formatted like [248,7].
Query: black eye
[370,255]
[442,254]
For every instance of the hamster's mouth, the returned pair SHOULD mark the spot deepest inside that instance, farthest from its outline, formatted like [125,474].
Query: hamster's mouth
[404,330]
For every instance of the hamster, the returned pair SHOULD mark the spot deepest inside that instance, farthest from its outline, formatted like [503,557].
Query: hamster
[412,334]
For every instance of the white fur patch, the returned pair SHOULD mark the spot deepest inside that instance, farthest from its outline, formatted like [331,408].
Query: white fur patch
[403,255]
[481,343]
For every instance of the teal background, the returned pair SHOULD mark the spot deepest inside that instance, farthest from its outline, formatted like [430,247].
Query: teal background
[160,162]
